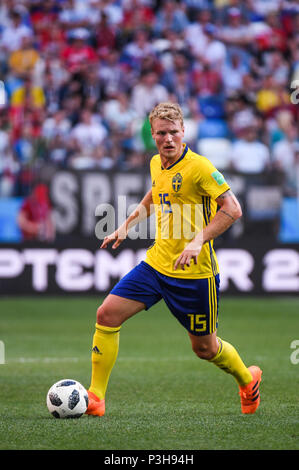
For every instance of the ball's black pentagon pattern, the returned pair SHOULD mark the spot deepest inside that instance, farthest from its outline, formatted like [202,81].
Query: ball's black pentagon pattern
[86,400]
[66,383]
[74,399]
[54,399]
[55,414]
[76,416]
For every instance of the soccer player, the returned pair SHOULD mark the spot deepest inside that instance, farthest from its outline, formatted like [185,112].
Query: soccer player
[180,266]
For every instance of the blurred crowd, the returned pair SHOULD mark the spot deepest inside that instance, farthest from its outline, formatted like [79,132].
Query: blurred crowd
[79,77]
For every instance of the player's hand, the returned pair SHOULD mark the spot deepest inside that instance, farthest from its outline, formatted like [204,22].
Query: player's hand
[191,252]
[117,237]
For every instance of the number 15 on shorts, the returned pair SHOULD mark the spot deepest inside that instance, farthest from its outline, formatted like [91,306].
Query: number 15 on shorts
[198,323]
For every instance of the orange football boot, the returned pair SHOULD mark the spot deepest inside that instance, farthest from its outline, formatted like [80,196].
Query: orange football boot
[250,394]
[96,407]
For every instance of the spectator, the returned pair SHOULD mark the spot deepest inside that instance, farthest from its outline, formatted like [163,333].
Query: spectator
[172,55]
[120,118]
[87,136]
[24,59]
[194,33]
[9,168]
[136,15]
[14,33]
[235,32]
[283,121]
[71,87]
[244,10]
[42,15]
[5,13]
[284,151]
[191,121]
[274,36]
[52,42]
[26,101]
[72,16]
[147,93]
[212,51]
[264,7]
[206,80]
[233,73]
[242,117]
[26,93]
[115,75]
[105,37]
[271,96]
[72,104]
[249,155]
[119,114]
[250,87]
[55,131]
[51,91]
[56,125]
[35,218]
[182,89]
[24,146]
[171,16]
[113,9]
[138,49]
[91,88]
[78,55]
[277,67]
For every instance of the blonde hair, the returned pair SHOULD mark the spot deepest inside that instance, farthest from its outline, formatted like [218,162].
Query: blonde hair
[170,111]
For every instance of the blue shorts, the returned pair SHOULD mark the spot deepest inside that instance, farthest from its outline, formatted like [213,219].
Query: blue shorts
[194,302]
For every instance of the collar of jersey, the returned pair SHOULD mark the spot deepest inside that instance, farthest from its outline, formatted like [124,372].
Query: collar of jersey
[180,159]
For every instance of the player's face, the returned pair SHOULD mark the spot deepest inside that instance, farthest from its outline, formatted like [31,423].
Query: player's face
[168,137]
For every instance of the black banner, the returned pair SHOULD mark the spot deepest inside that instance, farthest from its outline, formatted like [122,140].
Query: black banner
[76,196]
[79,199]
[83,268]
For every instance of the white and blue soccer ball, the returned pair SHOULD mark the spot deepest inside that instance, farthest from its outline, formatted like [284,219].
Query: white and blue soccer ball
[67,399]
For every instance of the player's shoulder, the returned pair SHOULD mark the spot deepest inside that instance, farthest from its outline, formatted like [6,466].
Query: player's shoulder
[155,158]
[155,161]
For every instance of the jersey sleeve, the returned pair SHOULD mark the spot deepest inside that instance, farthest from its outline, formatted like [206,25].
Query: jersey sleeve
[208,180]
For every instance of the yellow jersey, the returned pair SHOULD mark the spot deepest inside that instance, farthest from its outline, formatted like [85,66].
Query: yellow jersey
[184,199]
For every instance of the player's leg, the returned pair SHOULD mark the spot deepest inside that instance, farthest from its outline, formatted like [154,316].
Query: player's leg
[115,310]
[136,291]
[222,354]
[184,298]
[111,314]
[205,347]
[225,356]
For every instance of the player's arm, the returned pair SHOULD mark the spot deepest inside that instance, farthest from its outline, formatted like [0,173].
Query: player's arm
[230,210]
[142,211]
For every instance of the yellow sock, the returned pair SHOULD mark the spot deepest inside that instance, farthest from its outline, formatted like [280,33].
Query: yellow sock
[104,353]
[228,359]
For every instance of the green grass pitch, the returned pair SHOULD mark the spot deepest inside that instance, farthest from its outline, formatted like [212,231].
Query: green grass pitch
[160,395]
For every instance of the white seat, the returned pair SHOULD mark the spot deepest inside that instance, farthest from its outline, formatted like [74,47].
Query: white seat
[217,150]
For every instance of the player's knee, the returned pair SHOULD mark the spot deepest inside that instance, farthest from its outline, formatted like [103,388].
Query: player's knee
[204,352]
[101,315]
[106,317]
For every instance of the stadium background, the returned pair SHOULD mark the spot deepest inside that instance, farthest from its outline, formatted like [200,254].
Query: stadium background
[77,81]
[74,117]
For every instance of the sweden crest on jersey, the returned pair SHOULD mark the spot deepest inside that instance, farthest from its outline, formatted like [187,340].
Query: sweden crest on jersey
[177,182]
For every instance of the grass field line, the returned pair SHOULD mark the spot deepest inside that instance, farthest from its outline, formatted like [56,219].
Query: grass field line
[51,360]
[41,360]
